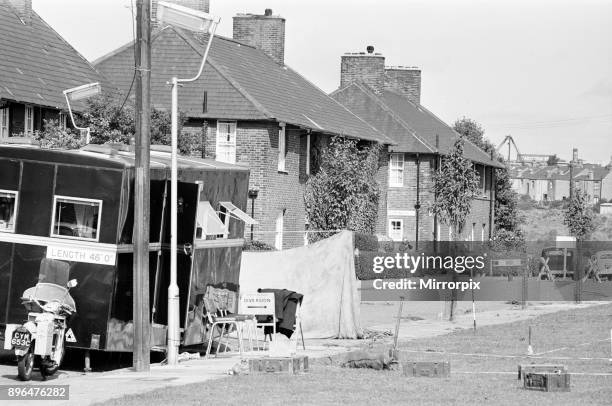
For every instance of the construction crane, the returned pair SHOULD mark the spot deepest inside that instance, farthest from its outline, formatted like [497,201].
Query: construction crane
[510,141]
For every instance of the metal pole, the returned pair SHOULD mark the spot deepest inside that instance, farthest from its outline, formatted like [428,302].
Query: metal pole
[141,354]
[173,289]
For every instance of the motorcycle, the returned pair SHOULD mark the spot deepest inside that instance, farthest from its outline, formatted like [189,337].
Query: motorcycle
[40,340]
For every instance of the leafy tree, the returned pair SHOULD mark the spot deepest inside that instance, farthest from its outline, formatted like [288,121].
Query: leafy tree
[474,132]
[508,220]
[578,217]
[455,185]
[112,121]
[344,192]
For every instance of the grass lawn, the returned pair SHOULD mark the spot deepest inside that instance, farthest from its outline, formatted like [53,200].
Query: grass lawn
[571,334]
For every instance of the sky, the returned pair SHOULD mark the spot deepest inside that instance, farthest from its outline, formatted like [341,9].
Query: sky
[538,70]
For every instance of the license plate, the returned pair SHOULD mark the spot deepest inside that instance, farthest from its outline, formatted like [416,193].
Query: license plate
[21,339]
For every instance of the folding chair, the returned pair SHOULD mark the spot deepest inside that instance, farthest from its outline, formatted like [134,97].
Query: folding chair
[259,304]
[223,321]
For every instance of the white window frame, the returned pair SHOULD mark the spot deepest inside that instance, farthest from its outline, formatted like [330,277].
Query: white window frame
[308,153]
[5,120]
[75,200]
[391,231]
[62,120]
[282,147]
[222,142]
[279,225]
[396,170]
[28,120]
[16,194]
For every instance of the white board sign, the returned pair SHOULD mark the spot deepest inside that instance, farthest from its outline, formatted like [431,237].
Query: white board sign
[82,254]
[565,242]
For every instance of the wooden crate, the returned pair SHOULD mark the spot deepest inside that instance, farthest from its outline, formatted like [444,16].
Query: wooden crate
[547,382]
[542,368]
[429,369]
[290,365]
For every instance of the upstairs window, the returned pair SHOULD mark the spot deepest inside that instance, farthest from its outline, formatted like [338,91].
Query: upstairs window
[4,122]
[282,147]
[28,128]
[226,142]
[76,218]
[396,170]
[8,210]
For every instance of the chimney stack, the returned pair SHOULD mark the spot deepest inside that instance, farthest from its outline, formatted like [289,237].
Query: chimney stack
[405,81]
[265,32]
[200,5]
[23,9]
[366,67]
[575,155]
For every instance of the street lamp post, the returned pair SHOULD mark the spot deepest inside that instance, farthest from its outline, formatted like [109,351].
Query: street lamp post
[198,21]
[79,93]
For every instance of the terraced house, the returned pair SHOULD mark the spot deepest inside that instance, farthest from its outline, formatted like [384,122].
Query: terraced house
[36,66]
[250,109]
[389,98]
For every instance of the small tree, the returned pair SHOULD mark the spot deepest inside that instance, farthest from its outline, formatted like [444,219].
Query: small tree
[455,185]
[474,132]
[344,193]
[508,233]
[578,217]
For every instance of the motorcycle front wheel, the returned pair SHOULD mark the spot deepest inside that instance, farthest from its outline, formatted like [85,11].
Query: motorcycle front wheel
[25,366]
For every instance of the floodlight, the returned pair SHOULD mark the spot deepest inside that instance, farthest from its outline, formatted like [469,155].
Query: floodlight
[83,92]
[184,17]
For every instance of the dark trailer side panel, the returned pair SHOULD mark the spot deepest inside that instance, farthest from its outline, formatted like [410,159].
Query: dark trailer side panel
[71,185]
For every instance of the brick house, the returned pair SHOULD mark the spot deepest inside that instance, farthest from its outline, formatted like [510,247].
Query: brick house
[389,99]
[37,64]
[249,108]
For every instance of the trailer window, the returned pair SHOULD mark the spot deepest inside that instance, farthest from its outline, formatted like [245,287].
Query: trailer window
[8,209]
[76,218]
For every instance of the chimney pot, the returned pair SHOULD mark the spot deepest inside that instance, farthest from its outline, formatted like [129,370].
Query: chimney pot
[368,68]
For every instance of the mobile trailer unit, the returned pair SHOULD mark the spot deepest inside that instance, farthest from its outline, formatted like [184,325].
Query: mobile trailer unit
[77,206]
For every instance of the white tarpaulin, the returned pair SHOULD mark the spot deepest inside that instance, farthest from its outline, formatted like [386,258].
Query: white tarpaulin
[324,272]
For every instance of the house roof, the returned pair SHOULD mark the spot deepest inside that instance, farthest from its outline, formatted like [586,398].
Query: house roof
[241,83]
[412,126]
[37,64]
